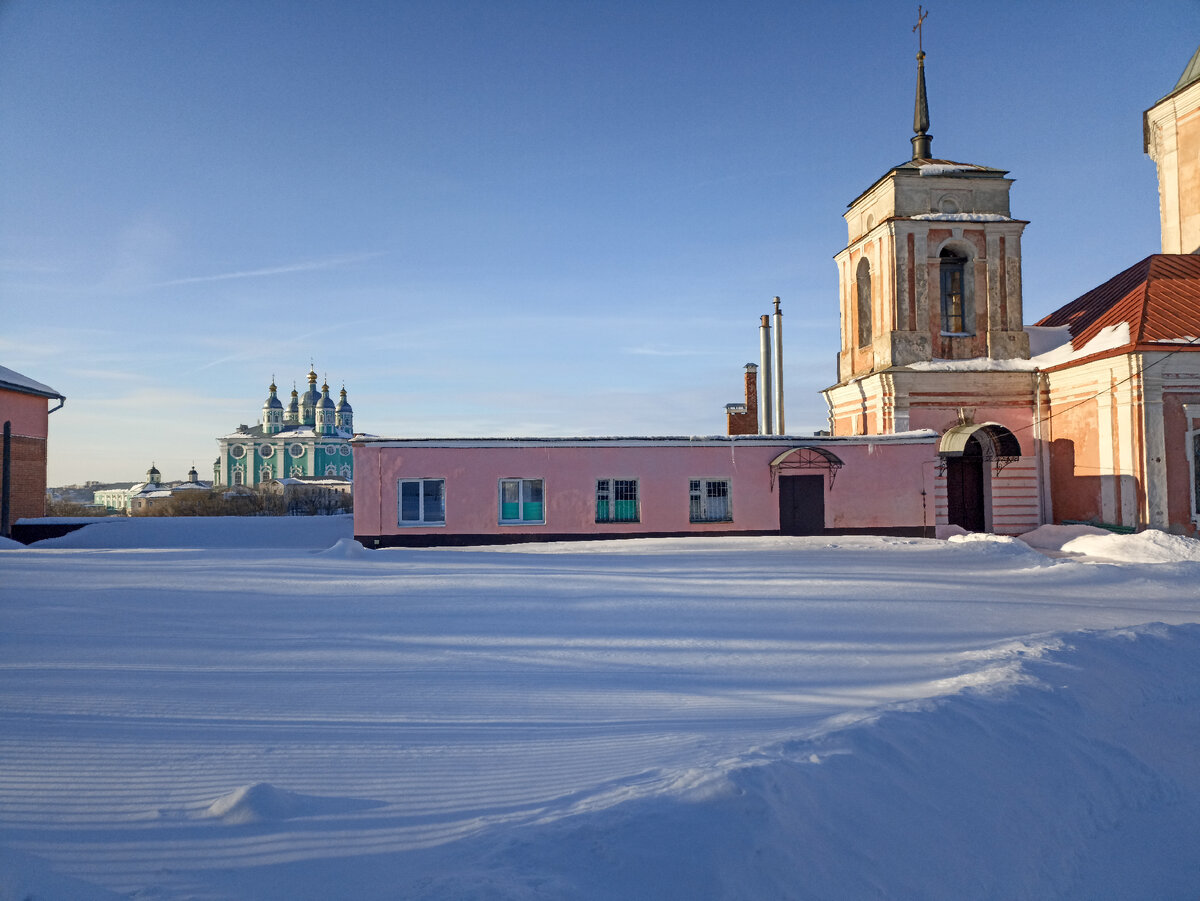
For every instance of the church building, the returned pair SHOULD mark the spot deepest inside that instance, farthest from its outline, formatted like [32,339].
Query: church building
[948,412]
[1102,427]
[309,437]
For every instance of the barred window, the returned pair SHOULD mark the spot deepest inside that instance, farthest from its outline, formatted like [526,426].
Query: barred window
[710,500]
[617,500]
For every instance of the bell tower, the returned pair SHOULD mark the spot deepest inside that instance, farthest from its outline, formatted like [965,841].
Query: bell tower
[932,267]
[929,288]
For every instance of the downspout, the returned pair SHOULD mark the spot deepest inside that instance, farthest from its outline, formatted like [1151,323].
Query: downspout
[1045,511]
[5,479]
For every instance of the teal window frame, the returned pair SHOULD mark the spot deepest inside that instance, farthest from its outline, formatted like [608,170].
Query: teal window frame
[522,502]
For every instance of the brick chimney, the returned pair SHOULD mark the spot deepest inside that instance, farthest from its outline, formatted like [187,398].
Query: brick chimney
[742,419]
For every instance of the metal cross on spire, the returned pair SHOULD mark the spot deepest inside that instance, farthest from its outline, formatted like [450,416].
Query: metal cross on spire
[922,139]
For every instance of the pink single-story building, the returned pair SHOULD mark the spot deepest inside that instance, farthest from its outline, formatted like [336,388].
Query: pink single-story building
[488,491]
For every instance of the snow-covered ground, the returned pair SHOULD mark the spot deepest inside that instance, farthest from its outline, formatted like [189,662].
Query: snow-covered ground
[261,709]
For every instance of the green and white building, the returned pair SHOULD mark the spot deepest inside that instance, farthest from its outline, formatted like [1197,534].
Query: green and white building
[310,437]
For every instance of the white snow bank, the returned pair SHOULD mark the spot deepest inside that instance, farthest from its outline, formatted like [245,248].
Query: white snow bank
[255,804]
[1052,537]
[695,718]
[347,548]
[262,802]
[1150,546]
[1080,786]
[1000,545]
[7,544]
[315,532]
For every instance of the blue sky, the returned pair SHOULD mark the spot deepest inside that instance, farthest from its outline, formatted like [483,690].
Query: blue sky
[519,218]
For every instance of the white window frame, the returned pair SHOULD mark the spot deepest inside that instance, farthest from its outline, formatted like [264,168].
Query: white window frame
[296,450]
[606,492]
[525,497]
[699,494]
[422,514]
[237,451]
[266,451]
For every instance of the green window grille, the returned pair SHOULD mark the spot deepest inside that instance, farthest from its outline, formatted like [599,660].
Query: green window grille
[617,500]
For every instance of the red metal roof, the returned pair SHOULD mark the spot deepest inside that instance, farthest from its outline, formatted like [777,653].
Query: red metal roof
[1159,298]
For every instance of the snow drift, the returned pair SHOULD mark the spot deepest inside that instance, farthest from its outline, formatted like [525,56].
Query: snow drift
[834,717]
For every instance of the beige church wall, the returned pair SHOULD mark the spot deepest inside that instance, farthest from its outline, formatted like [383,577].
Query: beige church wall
[1074,463]
[1098,440]
[1188,160]
[1172,139]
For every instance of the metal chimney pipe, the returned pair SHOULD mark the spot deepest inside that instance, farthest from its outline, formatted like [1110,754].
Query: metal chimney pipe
[777,400]
[767,394]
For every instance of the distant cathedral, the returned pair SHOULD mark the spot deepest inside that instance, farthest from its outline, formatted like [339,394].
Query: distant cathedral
[310,437]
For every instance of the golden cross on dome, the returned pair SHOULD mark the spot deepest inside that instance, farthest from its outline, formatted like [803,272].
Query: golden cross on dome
[922,15]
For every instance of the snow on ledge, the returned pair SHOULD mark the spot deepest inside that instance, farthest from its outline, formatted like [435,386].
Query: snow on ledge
[1053,342]
[948,168]
[963,217]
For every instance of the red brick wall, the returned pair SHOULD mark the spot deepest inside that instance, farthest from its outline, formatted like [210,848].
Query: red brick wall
[746,423]
[28,478]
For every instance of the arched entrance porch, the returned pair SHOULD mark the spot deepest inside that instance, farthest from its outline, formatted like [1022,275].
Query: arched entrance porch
[970,454]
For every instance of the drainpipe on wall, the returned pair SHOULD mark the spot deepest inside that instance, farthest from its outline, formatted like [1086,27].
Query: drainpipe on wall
[1045,513]
[5,477]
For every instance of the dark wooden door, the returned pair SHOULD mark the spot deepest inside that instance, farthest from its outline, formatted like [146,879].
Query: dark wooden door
[964,489]
[802,505]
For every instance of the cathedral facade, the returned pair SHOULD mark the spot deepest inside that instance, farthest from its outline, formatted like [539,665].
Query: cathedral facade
[309,437]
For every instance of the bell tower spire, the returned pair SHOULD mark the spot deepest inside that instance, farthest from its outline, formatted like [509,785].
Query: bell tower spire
[922,139]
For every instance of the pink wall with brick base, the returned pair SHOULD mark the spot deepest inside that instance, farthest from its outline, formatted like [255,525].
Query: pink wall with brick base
[879,486]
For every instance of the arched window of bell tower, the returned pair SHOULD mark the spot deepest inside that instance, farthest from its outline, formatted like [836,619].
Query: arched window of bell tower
[863,283]
[956,291]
